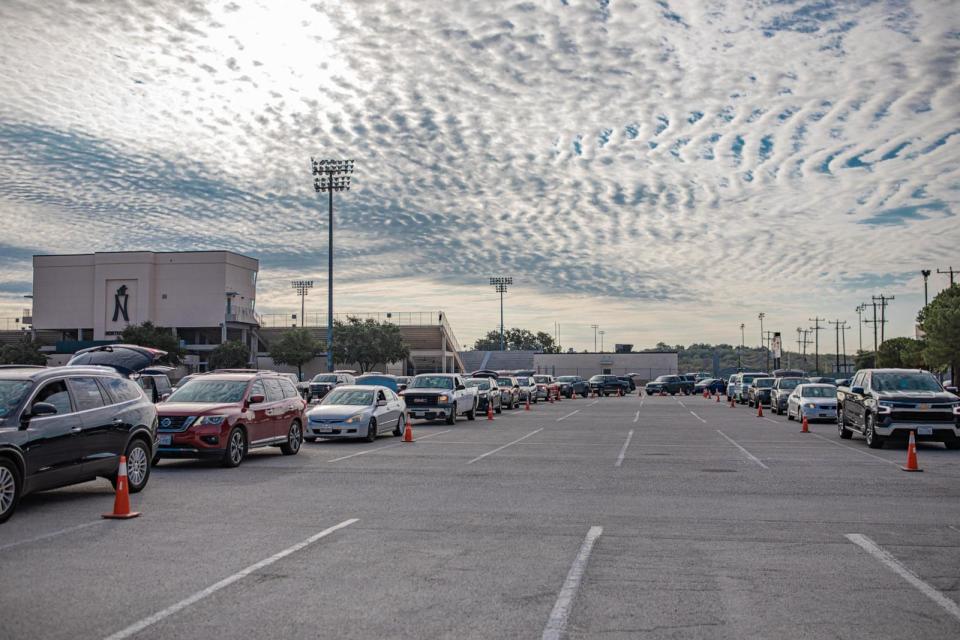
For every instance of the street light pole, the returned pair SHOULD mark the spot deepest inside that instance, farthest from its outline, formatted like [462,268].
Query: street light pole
[740,355]
[595,327]
[601,332]
[926,274]
[330,176]
[501,284]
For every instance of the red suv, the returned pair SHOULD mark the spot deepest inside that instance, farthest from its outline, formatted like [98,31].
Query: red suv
[223,415]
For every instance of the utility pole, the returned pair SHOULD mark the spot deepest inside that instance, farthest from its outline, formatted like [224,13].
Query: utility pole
[330,176]
[301,287]
[837,323]
[844,338]
[876,354]
[768,337]
[884,301]
[926,274]
[949,271]
[595,327]
[740,355]
[501,284]
[762,315]
[816,330]
[601,332]
[860,321]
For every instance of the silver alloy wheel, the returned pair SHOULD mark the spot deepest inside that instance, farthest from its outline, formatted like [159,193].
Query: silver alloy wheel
[8,489]
[295,436]
[236,447]
[137,465]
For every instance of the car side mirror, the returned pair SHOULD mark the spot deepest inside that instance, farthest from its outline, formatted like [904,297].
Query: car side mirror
[164,397]
[38,410]
[256,399]
[460,387]
[857,391]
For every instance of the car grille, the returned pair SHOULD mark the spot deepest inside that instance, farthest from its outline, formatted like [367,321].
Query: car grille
[419,399]
[922,416]
[175,423]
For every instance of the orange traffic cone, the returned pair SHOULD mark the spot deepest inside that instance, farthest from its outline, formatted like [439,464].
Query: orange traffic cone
[718,397]
[558,395]
[527,404]
[806,425]
[489,410]
[408,431]
[912,455]
[550,397]
[121,503]
[619,392]
[759,410]
[732,405]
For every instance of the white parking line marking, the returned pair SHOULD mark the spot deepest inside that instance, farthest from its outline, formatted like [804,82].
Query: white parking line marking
[593,403]
[698,417]
[623,451]
[817,435]
[490,453]
[636,418]
[11,545]
[561,610]
[568,415]
[745,452]
[894,565]
[954,528]
[137,627]
[771,420]
[395,444]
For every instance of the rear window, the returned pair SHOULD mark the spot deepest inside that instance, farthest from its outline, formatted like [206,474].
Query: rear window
[121,389]
[289,391]
[541,379]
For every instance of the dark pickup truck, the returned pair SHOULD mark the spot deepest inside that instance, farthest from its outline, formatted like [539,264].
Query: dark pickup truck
[671,385]
[887,404]
[607,385]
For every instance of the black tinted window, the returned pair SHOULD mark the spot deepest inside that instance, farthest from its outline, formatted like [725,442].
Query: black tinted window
[121,389]
[289,391]
[86,393]
[55,393]
[274,390]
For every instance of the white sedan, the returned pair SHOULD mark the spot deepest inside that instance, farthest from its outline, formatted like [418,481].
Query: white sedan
[813,402]
[355,411]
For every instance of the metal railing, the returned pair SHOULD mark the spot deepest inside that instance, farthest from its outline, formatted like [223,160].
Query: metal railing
[319,319]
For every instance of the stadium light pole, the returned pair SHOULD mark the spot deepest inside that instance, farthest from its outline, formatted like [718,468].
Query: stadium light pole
[301,287]
[742,340]
[594,327]
[501,284]
[601,332]
[330,176]
[926,274]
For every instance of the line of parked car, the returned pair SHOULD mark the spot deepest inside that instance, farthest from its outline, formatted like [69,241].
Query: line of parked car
[880,404]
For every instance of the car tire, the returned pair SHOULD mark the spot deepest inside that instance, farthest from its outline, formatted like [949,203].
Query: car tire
[156,460]
[236,448]
[951,445]
[789,415]
[874,441]
[138,466]
[10,487]
[309,439]
[452,418]
[399,430]
[371,430]
[845,434]
[499,408]
[294,439]
[472,414]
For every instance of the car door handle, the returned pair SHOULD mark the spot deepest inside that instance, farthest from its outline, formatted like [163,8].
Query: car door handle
[117,422]
[76,429]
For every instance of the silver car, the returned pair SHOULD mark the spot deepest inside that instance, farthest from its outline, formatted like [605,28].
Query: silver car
[528,389]
[812,401]
[354,411]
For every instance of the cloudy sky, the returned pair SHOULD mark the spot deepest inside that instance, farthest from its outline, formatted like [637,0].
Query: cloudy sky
[664,169]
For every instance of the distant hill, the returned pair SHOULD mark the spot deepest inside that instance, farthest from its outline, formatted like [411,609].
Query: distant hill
[701,357]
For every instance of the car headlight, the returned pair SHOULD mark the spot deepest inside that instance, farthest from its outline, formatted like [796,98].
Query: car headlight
[443,399]
[956,409]
[354,419]
[214,421]
[885,403]
[810,405]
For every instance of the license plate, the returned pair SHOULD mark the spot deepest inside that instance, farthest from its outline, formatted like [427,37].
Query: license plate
[324,430]
[924,431]
[165,440]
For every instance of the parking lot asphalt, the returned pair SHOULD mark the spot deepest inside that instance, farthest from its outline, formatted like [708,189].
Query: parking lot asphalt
[653,517]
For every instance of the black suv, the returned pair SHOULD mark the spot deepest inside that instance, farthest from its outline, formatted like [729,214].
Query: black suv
[890,403]
[66,425]
[606,384]
[668,384]
[323,383]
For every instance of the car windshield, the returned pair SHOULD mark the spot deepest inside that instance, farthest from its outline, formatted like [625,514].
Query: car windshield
[324,377]
[905,382]
[596,378]
[382,381]
[764,383]
[353,397]
[524,381]
[480,383]
[210,391]
[790,383]
[542,379]
[818,392]
[505,382]
[567,379]
[11,393]
[432,382]
[748,379]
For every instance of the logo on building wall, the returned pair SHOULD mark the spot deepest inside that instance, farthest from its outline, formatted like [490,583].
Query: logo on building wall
[120,299]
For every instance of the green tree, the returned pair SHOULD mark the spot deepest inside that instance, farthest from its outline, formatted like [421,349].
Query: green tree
[864,360]
[229,355]
[489,342]
[516,339]
[940,322]
[25,351]
[295,347]
[901,352]
[150,335]
[367,343]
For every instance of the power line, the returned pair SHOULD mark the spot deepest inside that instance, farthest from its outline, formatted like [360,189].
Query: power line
[950,271]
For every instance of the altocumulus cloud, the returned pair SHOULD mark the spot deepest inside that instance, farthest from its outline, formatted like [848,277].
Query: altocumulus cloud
[607,151]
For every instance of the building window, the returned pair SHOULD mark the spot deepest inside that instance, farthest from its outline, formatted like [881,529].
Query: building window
[606,372]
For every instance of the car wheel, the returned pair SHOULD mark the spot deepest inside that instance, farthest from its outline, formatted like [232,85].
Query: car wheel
[236,448]
[789,415]
[138,466]
[156,460]
[952,445]
[845,433]
[452,418]
[472,414]
[10,488]
[873,440]
[294,439]
[499,408]
[372,430]
[309,439]
[399,430]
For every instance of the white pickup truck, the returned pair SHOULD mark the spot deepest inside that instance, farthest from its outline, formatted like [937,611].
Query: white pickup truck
[440,395]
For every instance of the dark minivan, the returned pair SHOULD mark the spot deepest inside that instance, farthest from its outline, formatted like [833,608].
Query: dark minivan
[65,425]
